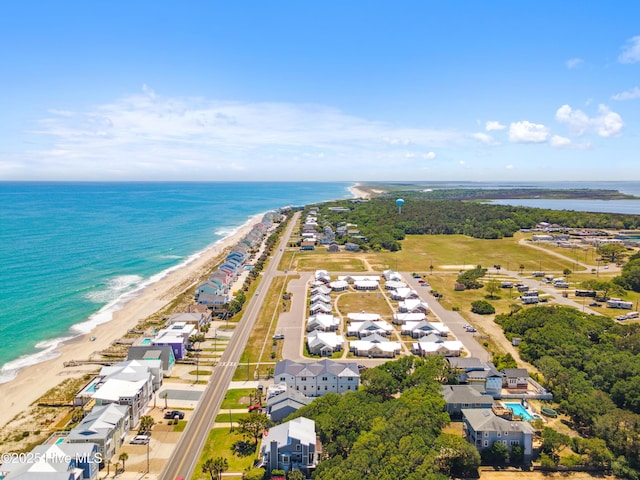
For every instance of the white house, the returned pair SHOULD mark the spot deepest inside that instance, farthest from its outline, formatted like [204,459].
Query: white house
[375,346]
[321,290]
[291,445]
[323,322]
[422,328]
[320,298]
[324,343]
[402,318]
[413,305]
[365,285]
[361,329]
[435,345]
[64,461]
[339,285]
[317,378]
[403,294]
[106,426]
[319,307]
[363,317]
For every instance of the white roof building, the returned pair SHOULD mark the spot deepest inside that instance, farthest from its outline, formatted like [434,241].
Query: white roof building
[422,328]
[324,343]
[368,327]
[394,284]
[363,317]
[324,322]
[435,345]
[403,294]
[413,305]
[402,318]
[339,285]
[366,348]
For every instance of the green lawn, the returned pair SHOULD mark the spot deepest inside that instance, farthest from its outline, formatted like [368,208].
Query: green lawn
[219,444]
[233,397]
[235,417]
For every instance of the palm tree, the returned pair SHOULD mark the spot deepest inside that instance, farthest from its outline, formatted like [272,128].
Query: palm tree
[123,457]
[146,424]
[165,395]
[208,467]
[220,465]
[215,466]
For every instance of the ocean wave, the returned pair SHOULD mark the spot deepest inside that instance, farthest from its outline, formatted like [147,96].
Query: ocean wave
[114,288]
[48,349]
[118,292]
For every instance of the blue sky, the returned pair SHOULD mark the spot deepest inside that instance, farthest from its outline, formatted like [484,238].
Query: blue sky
[309,90]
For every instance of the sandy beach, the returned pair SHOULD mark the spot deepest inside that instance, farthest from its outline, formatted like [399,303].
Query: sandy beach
[32,382]
[359,192]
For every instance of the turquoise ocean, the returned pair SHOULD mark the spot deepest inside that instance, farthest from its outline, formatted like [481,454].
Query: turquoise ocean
[73,253]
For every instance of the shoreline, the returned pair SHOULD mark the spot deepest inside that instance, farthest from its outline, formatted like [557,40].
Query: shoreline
[33,381]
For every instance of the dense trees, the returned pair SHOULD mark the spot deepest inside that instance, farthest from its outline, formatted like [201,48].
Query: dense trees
[392,427]
[383,227]
[592,366]
[630,275]
[482,307]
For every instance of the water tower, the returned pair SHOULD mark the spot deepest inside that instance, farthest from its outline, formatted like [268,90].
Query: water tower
[399,203]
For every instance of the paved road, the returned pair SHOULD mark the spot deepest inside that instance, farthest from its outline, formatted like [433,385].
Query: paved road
[451,319]
[185,456]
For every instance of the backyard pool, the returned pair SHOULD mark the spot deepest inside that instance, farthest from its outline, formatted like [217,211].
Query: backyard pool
[519,410]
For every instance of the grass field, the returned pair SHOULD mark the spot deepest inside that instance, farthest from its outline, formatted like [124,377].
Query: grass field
[236,398]
[321,259]
[370,302]
[219,444]
[419,252]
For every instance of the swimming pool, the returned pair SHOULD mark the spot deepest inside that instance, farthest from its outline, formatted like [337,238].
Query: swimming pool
[519,410]
[145,341]
[60,440]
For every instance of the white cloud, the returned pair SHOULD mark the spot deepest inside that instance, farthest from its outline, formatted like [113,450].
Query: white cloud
[631,51]
[493,125]
[628,95]
[606,124]
[485,139]
[150,136]
[423,156]
[527,132]
[573,62]
[509,167]
[563,142]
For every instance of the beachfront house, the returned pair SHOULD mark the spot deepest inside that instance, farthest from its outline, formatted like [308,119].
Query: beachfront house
[482,428]
[143,350]
[291,445]
[177,337]
[317,378]
[64,461]
[199,319]
[106,426]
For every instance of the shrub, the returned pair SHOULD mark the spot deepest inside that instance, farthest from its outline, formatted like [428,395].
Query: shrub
[482,307]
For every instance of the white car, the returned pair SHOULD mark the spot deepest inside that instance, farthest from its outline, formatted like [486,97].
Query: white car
[140,440]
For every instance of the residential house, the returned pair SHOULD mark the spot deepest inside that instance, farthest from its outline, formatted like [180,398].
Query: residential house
[365,285]
[475,372]
[64,461]
[199,319]
[436,345]
[422,328]
[320,298]
[351,247]
[322,276]
[413,305]
[363,317]
[324,343]
[339,285]
[291,445]
[515,378]
[390,276]
[483,427]
[319,307]
[333,247]
[321,290]
[394,284]
[458,397]
[402,318]
[403,294]
[106,426]
[143,350]
[323,322]
[317,378]
[375,346]
[177,337]
[284,403]
[361,329]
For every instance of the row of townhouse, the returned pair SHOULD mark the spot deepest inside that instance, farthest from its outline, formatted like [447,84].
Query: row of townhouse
[215,292]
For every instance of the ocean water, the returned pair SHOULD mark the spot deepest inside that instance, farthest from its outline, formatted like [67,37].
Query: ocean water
[73,253]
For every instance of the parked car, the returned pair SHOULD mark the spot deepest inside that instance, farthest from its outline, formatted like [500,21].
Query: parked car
[255,407]
[171,414]
[595,304]
[278,336]
[420,281]
[469,328]
[140,440]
